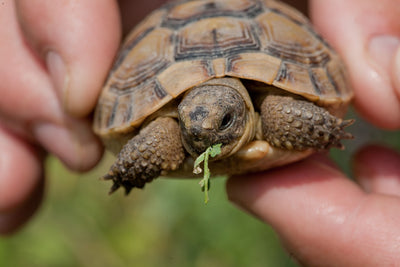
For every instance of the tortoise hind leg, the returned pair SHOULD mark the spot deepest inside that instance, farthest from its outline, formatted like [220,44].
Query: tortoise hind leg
[297,124]
[156,150]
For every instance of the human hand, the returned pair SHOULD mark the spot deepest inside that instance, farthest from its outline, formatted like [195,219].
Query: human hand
[322,217]
[55,56]
[52,68]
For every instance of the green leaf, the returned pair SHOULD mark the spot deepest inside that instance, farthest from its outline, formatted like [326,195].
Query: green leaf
[212,151]
[199,159]
[215,150]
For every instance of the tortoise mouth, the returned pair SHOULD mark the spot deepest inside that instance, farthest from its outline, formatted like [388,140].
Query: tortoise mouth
[196,143]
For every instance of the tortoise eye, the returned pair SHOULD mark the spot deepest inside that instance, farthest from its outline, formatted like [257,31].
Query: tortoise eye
[226,121]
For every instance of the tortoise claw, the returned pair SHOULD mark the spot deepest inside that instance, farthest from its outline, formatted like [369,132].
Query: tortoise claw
[107,177]
[127,187]
[126,184]
[114,188]
[345,124]
[344,135]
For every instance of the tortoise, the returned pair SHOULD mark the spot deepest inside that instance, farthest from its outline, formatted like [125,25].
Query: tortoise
[251,75]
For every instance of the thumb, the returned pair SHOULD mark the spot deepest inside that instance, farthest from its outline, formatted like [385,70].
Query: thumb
[77,41]
[367,34]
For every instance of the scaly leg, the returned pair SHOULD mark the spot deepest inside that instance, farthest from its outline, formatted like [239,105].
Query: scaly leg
[297,124]
[156,150]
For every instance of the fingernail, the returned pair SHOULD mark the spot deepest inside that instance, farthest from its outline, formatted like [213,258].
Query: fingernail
[382,50]
[59,75]
[76,146]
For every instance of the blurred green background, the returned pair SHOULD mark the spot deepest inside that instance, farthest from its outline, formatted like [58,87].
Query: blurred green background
[167,224]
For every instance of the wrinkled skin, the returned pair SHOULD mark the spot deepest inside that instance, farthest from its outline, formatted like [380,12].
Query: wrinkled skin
[322,217]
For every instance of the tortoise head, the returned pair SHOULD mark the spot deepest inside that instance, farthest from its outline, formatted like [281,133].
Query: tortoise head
[216,112]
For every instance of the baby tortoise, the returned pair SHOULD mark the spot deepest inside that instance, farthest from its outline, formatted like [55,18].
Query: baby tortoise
[252,75]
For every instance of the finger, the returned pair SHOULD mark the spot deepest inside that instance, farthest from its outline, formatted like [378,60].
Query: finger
[367,34]
[377,169]
[20,73]
[71,140]
[323,218]
[77,40]
[21,181]
[33,98]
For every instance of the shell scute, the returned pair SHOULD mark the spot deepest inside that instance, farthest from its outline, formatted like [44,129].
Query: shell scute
[252,66]
[138,33]
[285,39]
[296,79]
[214,38]
[176,78]
[144,61]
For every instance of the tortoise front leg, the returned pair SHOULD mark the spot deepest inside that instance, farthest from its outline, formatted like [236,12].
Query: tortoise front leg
[156,150]
[297,124]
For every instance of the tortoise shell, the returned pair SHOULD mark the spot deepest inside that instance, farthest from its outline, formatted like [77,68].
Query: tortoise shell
[185,43]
